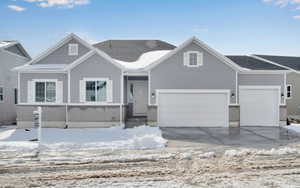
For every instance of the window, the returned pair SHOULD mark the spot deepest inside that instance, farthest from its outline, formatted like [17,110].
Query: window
[96,91]
[193,59]
[45,91]
[1,94]
[289,91]
[16,95]
[73,49]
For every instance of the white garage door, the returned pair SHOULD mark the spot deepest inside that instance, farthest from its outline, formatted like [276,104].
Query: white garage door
[259,105]
[193,108]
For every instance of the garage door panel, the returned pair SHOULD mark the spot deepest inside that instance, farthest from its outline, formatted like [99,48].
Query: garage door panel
[193,109]
[259,107]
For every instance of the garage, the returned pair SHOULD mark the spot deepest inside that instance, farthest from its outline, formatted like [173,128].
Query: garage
[193,108]
[259,105]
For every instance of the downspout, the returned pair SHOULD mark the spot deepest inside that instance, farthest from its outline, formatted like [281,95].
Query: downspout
[122,98]
[68,100]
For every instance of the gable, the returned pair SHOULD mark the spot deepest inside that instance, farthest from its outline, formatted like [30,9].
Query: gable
[210,62]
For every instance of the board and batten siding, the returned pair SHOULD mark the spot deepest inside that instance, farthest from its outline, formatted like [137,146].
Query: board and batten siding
[262,80]
[95,67]
[61,55]
[173,74]
[26,78]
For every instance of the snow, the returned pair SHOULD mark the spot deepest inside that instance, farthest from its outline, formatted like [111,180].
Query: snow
[294,127]
[53,139]
[207,155]
[5,43]
[6,134]
[144,60]
[273,151]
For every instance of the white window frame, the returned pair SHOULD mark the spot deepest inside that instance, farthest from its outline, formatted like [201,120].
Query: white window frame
[2,101]
[291,91]
[71,48]
[95,80]
[199,61]
[45,81]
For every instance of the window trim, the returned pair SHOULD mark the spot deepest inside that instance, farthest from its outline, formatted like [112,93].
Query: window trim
[95,80]
[44,80]
[291,91]
[199,55]
[2,101]
[73,45]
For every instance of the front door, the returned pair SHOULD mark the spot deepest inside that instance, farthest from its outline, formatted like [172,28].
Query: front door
[140,95]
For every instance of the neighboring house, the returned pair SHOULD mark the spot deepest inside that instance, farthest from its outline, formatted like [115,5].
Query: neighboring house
[12,54]
[292,80]
[192,85]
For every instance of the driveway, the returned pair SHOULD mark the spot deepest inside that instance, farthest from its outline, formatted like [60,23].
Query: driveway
[249,137]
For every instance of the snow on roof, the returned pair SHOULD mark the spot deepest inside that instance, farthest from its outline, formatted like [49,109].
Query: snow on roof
[144,60]
[5,43]
[42,67]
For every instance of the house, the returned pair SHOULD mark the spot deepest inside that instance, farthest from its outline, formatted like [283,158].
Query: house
[12,54]
[191,85]
[292,80]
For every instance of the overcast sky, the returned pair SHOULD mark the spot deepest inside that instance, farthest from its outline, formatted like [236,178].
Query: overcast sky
[229,26]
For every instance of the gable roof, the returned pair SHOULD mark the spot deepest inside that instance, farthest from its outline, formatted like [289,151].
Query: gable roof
[7,44]
[288,62]
[131,50]
[204,46]
[58,45]
[252,63]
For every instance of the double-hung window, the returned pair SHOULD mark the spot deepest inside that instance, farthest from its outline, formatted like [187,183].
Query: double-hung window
[45,91]
[289,91]
[1,94]
[96,90]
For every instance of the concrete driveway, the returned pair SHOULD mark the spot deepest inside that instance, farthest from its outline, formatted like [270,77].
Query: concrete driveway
[252,137]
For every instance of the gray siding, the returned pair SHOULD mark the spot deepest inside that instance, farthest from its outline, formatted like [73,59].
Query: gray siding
[213,74]
[50,113]
[95,67]
[15,49]
[262,80]
[293,104]
[25,77]
[8,80]
[60,56]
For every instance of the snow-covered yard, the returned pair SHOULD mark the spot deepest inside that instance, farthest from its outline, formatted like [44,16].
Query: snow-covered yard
[294,127]
[114,138]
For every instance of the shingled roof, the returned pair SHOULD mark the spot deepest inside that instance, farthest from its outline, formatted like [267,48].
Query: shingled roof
[253,63]
[287,61]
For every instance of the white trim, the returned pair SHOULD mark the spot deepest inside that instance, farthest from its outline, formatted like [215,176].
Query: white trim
[236,88]
[285,93]
[94,104]
[41,104]
[44,81]
[19,91]
[198,62]
[264,72]
[88,79]
[71,47]
[205,47]
[69,87]
[272,62]
[291,91]
[149,87]
[224,91]
[122,98]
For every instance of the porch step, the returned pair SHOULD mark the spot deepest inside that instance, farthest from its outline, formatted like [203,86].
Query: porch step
[135,121]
